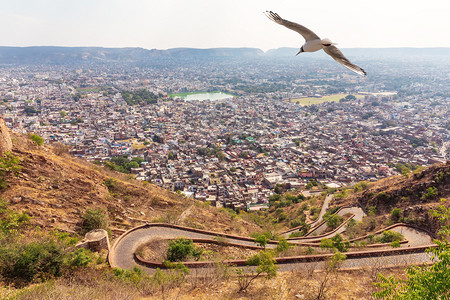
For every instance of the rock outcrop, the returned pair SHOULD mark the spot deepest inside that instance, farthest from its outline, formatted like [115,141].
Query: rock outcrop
[5,138]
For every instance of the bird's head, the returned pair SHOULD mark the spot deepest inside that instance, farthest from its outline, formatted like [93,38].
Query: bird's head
[301,50]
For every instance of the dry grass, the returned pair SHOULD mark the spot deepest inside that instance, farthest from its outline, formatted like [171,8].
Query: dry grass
[217,282]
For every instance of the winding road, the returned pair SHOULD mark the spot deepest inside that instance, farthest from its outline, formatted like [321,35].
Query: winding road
[122,253]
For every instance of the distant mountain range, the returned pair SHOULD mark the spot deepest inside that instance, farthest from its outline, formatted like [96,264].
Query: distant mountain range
[76,55]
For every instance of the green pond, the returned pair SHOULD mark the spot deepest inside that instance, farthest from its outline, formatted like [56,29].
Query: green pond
[202,96]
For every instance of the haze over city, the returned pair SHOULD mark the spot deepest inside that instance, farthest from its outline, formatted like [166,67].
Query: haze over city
[234,23]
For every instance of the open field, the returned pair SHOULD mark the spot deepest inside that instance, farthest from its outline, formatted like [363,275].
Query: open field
[316,100]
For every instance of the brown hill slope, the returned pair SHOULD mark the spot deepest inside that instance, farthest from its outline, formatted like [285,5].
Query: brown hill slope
[415,194]
[57,189]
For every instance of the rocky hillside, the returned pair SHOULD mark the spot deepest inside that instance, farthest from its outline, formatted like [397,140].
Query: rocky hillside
[56,189]
[415,194]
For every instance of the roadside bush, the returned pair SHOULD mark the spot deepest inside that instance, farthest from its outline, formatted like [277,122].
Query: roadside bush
[336,242]
[334,221]
[296,234]
[395,244]
[181,248]
[389,236]
[262,240]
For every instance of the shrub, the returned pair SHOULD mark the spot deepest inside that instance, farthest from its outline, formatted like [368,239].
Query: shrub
[326,243]
[334,221]
[336,242]
[395,244]
[9,164]
[300,198]
[389,236]
[94,218]
[382,196]
[37,139]
[431,192]
[361,186]
[314,211]
[110,183]
[60,148]
[396,214]
[296,223]
[12,221]
[79,258]
[27,262]
[296,234]
[181,248]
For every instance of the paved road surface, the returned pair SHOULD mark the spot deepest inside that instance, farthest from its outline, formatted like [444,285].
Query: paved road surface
[122,252]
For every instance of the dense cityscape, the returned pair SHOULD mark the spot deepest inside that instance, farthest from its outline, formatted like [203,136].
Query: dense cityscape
[234,152]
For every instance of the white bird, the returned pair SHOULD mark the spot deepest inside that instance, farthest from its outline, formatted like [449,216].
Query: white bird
[314,43]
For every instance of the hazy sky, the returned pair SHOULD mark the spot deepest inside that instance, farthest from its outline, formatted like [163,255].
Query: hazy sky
[222,23]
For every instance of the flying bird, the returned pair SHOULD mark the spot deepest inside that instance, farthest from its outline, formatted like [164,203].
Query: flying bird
[314,43]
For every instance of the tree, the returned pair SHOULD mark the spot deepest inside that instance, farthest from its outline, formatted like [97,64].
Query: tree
[37,139]
[132,165]
[265,264]
[424,282]
[336,242]
[243,154]
[62,114]
[262,240]
[170,156]
[331,268]
[282,245]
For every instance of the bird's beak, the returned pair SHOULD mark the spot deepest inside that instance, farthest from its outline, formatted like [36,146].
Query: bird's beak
[301,50]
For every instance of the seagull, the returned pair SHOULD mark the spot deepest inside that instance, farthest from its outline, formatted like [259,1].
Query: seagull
[314,43]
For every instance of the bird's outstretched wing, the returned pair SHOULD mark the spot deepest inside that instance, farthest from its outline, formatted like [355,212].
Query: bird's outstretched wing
[305,32]
[337,55]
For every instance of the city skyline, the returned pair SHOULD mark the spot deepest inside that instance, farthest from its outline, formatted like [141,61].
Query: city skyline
[201,24]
